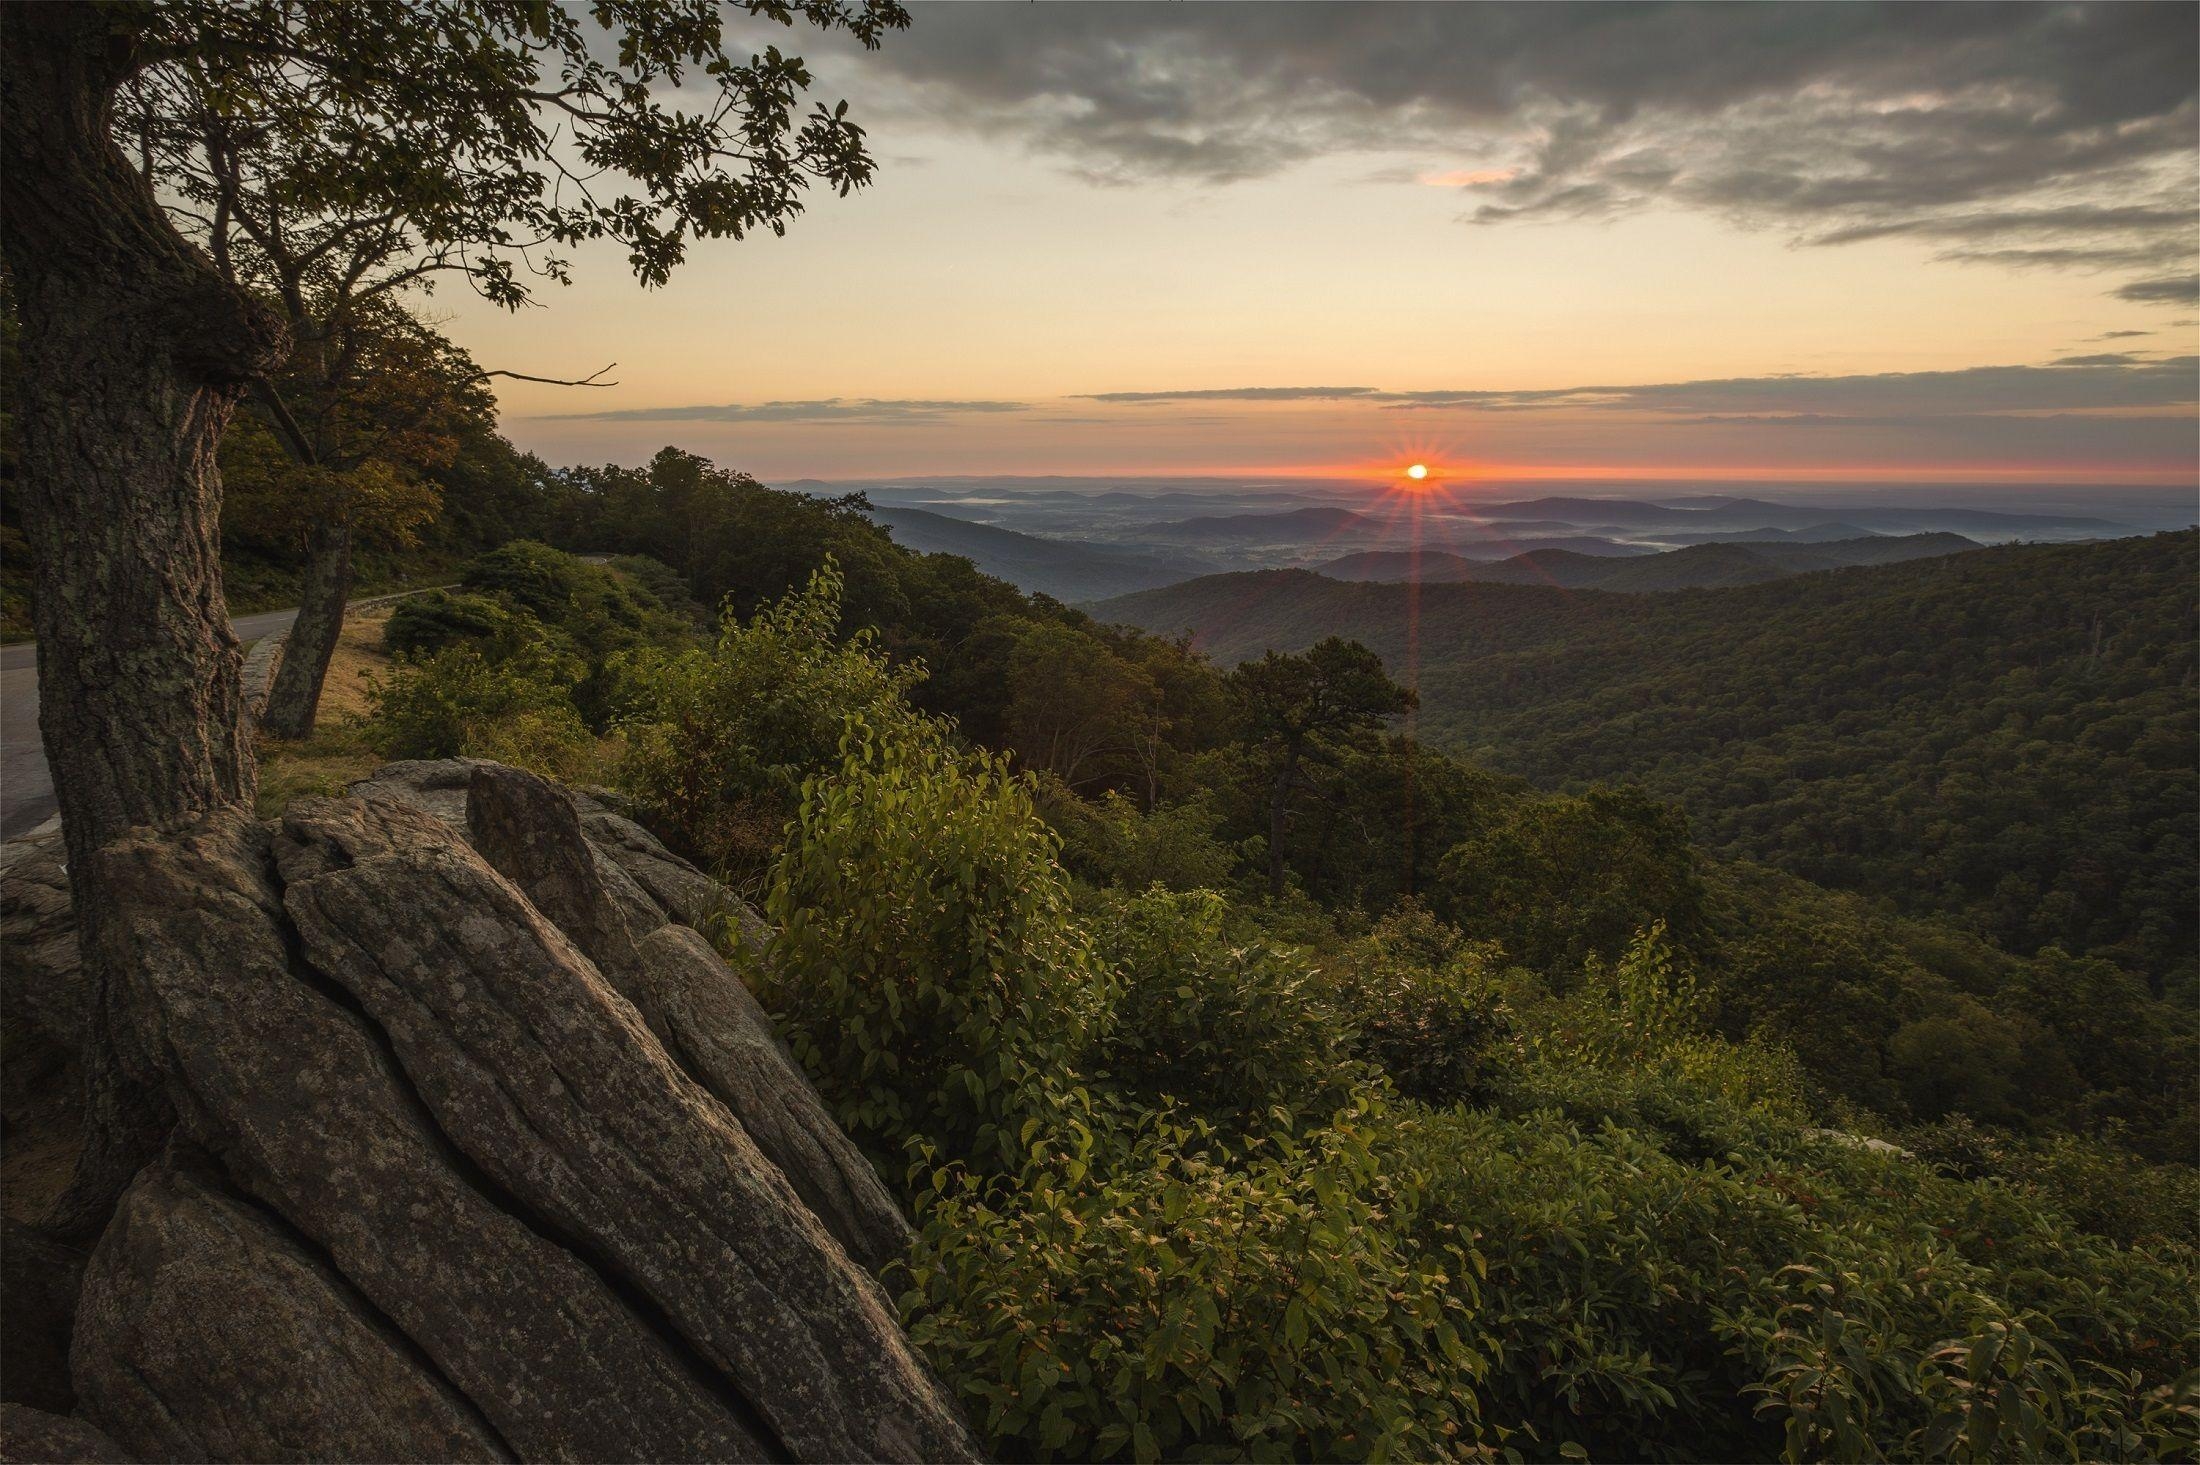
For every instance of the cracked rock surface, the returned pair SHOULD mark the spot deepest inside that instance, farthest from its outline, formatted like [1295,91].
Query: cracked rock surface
[475,1158]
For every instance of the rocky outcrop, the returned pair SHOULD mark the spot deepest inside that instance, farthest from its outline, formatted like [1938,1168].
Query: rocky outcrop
[39,1437]
[243,1345]
[471,1164]
[694,1005]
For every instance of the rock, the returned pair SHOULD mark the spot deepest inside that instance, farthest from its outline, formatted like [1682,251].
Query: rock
[275,1072]
[45,991]
[48,1007]
[36,1437]
[39,1277]
[698,1009]
[537,1071]
[440,1188]
[243,1345]
[438,786]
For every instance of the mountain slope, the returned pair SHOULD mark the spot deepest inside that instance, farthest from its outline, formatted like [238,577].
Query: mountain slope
[1291,525]
[1064,569]
[2007,735]
[1573,565]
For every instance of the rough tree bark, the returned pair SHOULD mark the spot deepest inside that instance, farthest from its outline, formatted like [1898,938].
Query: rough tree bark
[134,353]
[295,697]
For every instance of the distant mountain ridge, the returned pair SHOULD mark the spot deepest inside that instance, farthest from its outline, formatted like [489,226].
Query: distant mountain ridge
[1625,568]
[1065,569]
[1719,512]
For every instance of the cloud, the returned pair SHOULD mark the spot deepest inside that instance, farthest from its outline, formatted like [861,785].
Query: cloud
[2117,383]
[2120,335]
[2163,290]
[852,411]
[2101,358]
[2040,135]
[1234,394]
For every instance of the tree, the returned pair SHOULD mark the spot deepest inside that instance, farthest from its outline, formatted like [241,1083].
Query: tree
[259,161]
[487,132]
[340,456]
[1297,708]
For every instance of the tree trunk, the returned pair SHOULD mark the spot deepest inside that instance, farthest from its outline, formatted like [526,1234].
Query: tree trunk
[133,354]
[296,696]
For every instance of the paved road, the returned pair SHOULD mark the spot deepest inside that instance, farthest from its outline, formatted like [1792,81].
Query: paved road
[26,789]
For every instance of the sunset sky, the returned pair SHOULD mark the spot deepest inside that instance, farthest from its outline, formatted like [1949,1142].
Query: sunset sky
[1778,241]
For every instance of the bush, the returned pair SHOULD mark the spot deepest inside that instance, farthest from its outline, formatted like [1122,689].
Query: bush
[1178,1308]
[720,738]
[1426,1006]
[1240,1033]
[655,580]
[424,624]
[924,962]
[458,703]
[1114,842]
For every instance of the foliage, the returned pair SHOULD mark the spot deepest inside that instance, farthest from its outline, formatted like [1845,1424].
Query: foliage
[1239,1032]
[2005,736]
[721,738]
[1426,1006]
[459,703]
[1180,1308]
[471,137]
[1560,879]
[1111,841]
[1297,710]
[924,962]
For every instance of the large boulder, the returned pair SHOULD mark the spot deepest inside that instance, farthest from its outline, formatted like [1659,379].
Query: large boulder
[530,831]
[40,1437]
[467,1160]
[244,1345]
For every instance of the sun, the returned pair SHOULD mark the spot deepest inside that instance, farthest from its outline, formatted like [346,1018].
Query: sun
[1417,470]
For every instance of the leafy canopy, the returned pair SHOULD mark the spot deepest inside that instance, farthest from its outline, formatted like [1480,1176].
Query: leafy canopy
[408,137]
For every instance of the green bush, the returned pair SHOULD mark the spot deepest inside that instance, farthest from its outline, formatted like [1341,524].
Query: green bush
[1426,1006]
[458,703]
[424,624]
[720,738]
[1239,1033]
[924,961]
[1177,1308]
[1113,842]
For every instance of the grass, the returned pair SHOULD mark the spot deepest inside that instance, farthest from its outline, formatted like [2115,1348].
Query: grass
[337,752]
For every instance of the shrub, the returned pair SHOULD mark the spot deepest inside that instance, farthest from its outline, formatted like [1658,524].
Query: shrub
[1426,1006]
[720,738]
[1179,1308]
[424,624]
[1237,1032]
[655,580]
[924,962]
[1114,842]
[458,703]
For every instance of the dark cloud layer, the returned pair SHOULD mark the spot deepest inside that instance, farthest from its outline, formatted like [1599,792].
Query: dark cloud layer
[1235,394]
[2093,384]
[2049,135]
[2107,381]
[852,411]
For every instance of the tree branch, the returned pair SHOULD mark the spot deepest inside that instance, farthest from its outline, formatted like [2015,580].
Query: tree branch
[589,380]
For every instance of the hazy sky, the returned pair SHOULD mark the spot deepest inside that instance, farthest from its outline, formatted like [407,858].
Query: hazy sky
[1744,240]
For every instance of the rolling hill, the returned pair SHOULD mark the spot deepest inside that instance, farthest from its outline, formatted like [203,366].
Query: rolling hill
[1290,526]
[1065,569]
[2006,735]
[1574,565]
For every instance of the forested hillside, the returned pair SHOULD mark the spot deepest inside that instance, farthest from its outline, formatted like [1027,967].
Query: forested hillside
[2005,736]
